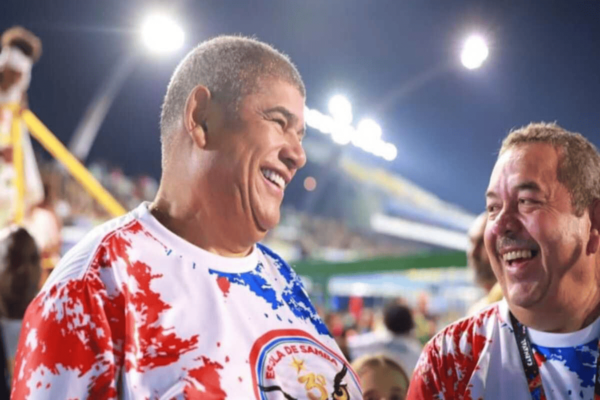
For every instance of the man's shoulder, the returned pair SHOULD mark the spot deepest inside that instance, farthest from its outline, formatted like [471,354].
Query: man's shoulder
[467,336]
[470,327]
[450,359]
[267,251]
[78,259]
[275,259]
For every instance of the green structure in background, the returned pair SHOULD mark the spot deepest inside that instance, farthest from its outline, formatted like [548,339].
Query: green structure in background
[321,271]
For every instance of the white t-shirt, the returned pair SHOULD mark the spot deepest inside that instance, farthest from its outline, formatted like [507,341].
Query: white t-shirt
[403,349]
[135,307]
[477,357]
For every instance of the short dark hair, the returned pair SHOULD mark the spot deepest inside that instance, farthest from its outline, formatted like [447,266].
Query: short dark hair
[579,162]
[398,318]
[20,271]
[231,67]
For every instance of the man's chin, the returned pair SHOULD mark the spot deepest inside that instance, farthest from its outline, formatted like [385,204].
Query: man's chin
[524,295]
[266,221]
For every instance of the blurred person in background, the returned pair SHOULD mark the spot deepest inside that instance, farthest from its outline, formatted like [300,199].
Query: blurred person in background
[425,321]
[396,340]
[19,50]
[366,321]
[543,240]
[19,277]
[176,299]
[479,262]
[43,223]
[337,328]
[381,378]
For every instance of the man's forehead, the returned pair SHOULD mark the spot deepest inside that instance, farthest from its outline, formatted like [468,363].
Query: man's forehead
[535,162]
[274,92]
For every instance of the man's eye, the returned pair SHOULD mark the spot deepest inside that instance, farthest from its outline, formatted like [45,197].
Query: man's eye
[281,122]
[527,202]
[492,208]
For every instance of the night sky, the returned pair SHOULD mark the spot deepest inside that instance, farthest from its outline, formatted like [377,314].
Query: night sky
[396,61]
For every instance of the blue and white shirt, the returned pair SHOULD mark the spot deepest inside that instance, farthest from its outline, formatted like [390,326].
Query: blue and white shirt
[477,357]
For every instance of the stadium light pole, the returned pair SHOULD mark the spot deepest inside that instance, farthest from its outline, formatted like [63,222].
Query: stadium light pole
[160,35]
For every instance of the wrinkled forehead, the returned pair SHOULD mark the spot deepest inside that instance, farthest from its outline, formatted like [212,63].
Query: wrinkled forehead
[535,162]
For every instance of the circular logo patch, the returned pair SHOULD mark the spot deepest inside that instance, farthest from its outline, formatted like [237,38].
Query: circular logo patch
[291,364]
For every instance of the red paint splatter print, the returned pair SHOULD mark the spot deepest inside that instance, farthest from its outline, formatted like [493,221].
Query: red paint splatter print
[86,329]
[224,285]
[449,360]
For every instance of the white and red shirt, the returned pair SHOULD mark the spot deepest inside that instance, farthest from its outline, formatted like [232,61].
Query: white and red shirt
[478,358]
[135,312]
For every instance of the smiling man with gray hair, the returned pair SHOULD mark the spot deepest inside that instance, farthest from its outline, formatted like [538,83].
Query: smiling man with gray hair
[542,237]
[176,300]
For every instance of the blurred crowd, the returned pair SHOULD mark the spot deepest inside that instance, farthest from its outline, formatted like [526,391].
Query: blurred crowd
[375,339]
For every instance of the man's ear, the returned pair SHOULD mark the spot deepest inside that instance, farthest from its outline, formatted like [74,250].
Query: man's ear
[594,242]
[195,114]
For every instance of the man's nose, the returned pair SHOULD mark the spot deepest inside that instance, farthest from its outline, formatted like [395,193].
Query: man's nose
[505,223]
[293,154]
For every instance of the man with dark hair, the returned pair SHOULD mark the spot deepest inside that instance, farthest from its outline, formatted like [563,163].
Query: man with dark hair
[19,276]
[176,300]
[479,262]
[542,236]
[396,340]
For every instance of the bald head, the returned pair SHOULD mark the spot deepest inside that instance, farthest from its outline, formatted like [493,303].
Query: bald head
[477,257]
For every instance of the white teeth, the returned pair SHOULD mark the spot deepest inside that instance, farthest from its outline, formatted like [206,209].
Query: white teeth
[514,255]
[274,177]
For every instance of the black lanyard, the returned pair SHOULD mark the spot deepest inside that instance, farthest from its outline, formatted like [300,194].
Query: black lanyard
[532,371]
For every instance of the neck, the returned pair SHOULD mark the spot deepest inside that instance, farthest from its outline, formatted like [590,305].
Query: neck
[200,224]
[574,316]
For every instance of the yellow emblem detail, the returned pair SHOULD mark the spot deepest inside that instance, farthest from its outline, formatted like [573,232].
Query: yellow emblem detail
[298,364]
[314,382]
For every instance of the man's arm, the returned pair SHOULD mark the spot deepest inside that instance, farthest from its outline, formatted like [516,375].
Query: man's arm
[71,341]
[427,382]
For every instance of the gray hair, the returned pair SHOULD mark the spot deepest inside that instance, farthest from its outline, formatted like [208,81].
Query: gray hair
[579,162]
[231,67]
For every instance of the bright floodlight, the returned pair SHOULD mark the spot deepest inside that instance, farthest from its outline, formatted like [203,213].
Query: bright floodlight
[161,34]
[369,128]
[474,53]
[342,134]
[390,152]
[341,109]
[368,135]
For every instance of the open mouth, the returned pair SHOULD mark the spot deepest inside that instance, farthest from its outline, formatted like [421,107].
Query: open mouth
[519,256]
[273,177]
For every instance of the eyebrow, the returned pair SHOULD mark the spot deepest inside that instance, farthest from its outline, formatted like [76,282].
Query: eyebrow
[490,193]
[290,116]
[527,185]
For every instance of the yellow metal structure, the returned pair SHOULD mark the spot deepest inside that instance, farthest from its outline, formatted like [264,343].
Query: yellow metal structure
[19,165]
[43,135]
